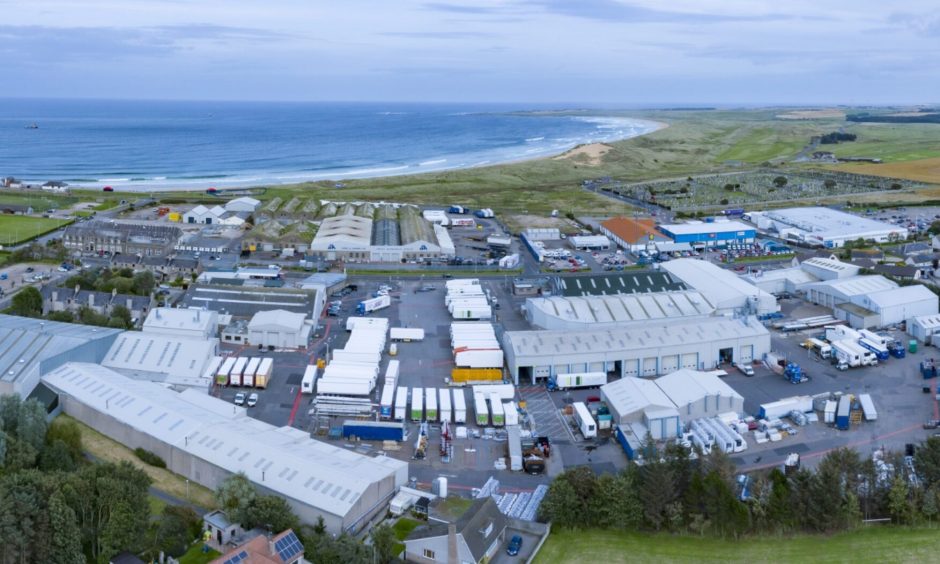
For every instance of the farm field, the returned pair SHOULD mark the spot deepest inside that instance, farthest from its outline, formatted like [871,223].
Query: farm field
[15,229]
[875,544]
[921,170]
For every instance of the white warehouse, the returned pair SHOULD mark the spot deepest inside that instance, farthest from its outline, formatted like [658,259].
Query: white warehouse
[700,394]
[726,291]
[279,328]
[825,227]
[641,404]
[649,349]
[595,312]
[872,301]
[194,323]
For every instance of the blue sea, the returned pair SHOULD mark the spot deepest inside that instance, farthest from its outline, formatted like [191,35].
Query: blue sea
[148,145]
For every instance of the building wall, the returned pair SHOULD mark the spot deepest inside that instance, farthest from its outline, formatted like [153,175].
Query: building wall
[710,406]
[414,550]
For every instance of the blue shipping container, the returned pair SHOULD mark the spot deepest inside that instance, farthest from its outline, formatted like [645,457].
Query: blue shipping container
[842,413]
[374,430]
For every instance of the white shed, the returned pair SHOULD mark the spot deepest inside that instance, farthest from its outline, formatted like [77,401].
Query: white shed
[924,327]
[700,394]
[279,328]
[635,400]
[243,204]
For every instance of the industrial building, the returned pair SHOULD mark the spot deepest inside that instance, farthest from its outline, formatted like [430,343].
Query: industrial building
[924,327]
[632,234]
[30,348]
[699,395]
[650,349]
[157,357]
[595,312]
[216,215]
[871,301]
[726,291]
[824,227]
[193,323]
[206,440]
[589,242]
[616,284]
[642,405]
[280,329]
[243,205]
[244,301]
[703,234]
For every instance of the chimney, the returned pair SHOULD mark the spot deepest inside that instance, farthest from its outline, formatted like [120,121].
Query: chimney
[91,299]
[452,542]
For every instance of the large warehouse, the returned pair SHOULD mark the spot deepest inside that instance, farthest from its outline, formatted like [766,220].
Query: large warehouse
[872,301]
[207,440]
[726,291]
[182,322]
[595,312]
[642,405]
[280,329]
[701,234]
[650,349]
[825,227]
[180,361]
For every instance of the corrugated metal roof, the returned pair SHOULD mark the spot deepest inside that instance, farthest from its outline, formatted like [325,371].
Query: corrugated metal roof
[690,386]
[621,283]
[179,358]
[630,395]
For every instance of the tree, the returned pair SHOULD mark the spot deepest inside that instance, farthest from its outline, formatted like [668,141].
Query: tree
[56,457]
[898,504]
[27,303]
[143,283]
[780,181]
[67,431]
[930,505]
[31,424]
[63,316]
[123,531]
[65,542]
[270,512]
[829,183]
[657,491]
[383,540]
[121,313]
[177,528]
[234,495]
[561,504]
[927,461]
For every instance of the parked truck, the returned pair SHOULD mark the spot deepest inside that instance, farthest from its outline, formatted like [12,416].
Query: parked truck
[430,403]
[496,409]
[401,403]
[880,351]
[484,213]
[417,404]
[846,352]
[460,210]
[444,405]
[263,374]
[406,334]
[387,402]
[344,388]
[309,380]
[481,409]
[374,430]
[366,307]
[580,380]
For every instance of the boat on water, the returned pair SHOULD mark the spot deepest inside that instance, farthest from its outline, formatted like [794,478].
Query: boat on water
[33,126]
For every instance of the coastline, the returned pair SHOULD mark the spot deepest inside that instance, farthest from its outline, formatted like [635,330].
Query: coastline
[220,183]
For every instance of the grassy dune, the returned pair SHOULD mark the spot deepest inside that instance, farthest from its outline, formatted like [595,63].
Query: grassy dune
[874,544]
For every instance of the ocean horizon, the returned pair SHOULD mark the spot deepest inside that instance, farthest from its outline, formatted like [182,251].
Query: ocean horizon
[157,145]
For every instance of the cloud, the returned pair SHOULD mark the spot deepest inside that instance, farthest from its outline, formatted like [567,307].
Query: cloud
[616,11]
[439,34]
[925,25]
[461,8]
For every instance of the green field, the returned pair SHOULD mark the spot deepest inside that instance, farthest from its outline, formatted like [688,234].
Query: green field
[874,544]
[16,229]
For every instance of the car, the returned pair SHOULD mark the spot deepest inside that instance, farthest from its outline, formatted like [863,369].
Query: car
[514,546]
[240,398]
[252,400]
[29,269]
[745,369]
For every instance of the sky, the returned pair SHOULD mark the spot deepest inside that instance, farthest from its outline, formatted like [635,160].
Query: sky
[601,52]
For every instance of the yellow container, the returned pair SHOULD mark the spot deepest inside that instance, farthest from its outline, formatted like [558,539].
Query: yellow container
[174,216]
[476,375]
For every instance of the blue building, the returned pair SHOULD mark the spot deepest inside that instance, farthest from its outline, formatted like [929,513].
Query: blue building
[711,234]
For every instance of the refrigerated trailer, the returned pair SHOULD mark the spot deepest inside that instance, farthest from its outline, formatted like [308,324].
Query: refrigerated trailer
[213,368]
[248,376]
[263,374]
[481,409]
[585,421]
[489,358]
[406,334]
[235,377]
[868,407]
[378,323]
[366,307]
[387,405]
[496,408]
[460,407]
[880,351]
[355,356]
[309,380]
[391,373]
[445,405]
[401,403]
[430,403]
[480,312]
[417,404]
[374,430]
[845,351]
[583,380]
[343,388]
[225,370]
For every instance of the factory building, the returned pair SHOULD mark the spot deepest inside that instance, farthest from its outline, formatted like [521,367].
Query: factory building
[871,301]
[824,227]
[193,323]
[243,205]
[244,298]
[595,312]
[700,394]
[703,234]
[157,357]
[924,328]
[30,348]
[206,440]
[648,349]
[279,329]
[642,405]
[726,291]
[616,284]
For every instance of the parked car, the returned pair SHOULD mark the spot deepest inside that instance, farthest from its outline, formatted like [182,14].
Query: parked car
[240,398]
[745,369]
[252,400]
[515,545]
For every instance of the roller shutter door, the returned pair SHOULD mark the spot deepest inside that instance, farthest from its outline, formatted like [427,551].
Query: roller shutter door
[597,367]
[631,367]
[649,366]
[746,354]
[690,361]
[670,363]
[541,371]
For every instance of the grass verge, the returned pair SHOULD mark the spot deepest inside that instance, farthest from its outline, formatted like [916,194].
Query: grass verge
[195,555]
[867,544]
[103,448]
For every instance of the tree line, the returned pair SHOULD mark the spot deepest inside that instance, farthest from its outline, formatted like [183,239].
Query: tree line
[836,137]
[677,492]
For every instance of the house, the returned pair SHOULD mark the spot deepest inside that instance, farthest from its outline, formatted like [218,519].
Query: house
[928,260]
[875,255]
[120,238]
[221,530]
[200,214]
[64,299]
[55,186]
[284,548]
[632,234]
[915,249]
[125,558]
[898,272]
[474,537]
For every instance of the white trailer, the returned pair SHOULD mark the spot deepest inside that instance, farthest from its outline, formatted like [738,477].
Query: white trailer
[460,406]
[481,410]
[479,312]
[586,423]
[263,374]
[506,391]
[340,355]
[430,404]
[391,373]
[366,307]
[509,261]
[780,408]
[841,333]
[461,282]
[248,376]
[514,443]
[309,380]
[235,376]
[343,388]
[845,352]
[479,358]
[867,357]
[873,337]
[496,410]
[213,367]
[445,405]
[512,414]
[378,323]
[225,370]
[386,404]
[868,407]
[401,403]
[407,334]
[417,404]
[581,380]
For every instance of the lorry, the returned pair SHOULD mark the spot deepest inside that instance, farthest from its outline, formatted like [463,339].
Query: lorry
[235,377]
[387,402]
[374,430]
[845,351]
[309,380]
[841,333]
[391,373]
[586,423]
[496,409]
[430,404]
[343,388]
[580,380]
[225,369]
[484,213]
[880,351]
[473,312]
[406,334]
[794,373]
[366,307]
[896,349]
[509,261]
[843,411]
[248,376]
[824,350]
[263,374]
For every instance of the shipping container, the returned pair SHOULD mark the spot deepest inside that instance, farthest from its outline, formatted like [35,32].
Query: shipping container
[430,404]
[868,407]
[471,375]
[460,407]
[496,409]
[780,408]
[586,423]
[387,405]
[235,376]
[417,404]
[358,388]
[829,412]
[514,444]
[309,380]
[366,307]
[407,334]
[401,403]
[374,430]
[843,412]
[445,405]
[391,373]
[481,409]
[225,369]
[263,374]
[479,358]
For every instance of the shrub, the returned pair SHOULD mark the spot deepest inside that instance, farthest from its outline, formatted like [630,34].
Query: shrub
[149,457]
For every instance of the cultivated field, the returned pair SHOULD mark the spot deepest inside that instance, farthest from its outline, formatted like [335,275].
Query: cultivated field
[875,544]
[15,229]
[921,170]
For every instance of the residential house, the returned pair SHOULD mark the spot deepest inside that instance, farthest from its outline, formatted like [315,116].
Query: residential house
[929,260]
[875,255]
[120,238]
[906,272]
[473,537]
[63,299]
[284,548]
[915,248]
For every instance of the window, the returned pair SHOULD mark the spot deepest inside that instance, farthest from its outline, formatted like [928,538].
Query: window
[428,553]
